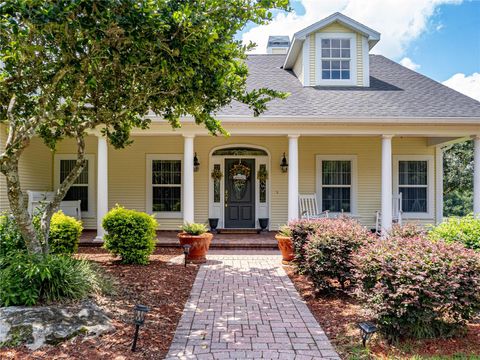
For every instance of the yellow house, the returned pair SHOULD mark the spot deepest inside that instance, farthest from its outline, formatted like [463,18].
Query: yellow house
[359,132]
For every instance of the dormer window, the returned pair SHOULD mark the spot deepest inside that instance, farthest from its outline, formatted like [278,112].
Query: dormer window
[335,59]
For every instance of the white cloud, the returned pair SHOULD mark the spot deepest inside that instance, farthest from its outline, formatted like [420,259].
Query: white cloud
[399,22]
[466,84]
[408,63]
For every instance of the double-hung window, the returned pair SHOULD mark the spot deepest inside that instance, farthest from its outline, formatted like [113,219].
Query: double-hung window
[164,185]
[336,59]
[336,181]
[414,180]
[83,187]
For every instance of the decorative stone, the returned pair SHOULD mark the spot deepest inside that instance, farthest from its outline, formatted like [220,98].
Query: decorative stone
[37,326]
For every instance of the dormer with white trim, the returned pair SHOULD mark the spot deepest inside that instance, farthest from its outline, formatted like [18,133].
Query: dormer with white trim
[332,52]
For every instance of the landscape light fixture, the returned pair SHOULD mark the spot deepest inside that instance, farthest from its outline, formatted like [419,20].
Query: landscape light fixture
[284,164]
[186,251]
[196,163]
[368,329]
[139,312]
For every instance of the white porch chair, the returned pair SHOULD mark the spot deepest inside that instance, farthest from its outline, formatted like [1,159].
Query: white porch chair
[396,213]
[309,208]
[70,207]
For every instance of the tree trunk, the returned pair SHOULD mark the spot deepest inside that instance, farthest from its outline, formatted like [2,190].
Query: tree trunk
[54,204]
[18,205]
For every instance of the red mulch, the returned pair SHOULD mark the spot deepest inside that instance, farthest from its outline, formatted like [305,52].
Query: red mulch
[164,288]
[339,314]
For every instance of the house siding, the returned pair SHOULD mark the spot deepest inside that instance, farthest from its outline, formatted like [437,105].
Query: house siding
[336,28]
[35,168]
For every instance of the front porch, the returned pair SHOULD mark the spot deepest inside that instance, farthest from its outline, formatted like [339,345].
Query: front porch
[168,238]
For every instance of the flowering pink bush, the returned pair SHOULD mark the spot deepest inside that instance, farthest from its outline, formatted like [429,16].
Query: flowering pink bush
[407,231]
[301,231]
[328,253]
[418,288]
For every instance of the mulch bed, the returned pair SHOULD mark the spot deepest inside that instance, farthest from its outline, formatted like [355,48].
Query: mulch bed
[163,287]
[339,314]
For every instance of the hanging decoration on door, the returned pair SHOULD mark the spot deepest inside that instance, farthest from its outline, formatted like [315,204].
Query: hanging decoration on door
[240,174]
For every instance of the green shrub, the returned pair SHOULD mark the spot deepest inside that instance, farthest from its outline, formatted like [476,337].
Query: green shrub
[10,238]
[32,279]
[328,253]
[418,288]
[194,228]
[65,234]
[465,230]
[130,234]
[285,230]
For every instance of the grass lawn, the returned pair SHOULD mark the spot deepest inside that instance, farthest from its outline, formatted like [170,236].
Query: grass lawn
[339,314]
[163,287]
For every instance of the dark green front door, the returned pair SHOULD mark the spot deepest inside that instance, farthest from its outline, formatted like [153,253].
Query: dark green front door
[239,193]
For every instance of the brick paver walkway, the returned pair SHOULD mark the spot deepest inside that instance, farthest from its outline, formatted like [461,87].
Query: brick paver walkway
[244,306]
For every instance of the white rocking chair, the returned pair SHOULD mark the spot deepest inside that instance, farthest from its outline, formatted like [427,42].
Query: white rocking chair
[309,208]
[70,208]
[396,213]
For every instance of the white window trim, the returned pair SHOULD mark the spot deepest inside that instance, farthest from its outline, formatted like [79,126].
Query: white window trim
[430,184]
[353,59]
[91,180]
[353,187]
[149,186]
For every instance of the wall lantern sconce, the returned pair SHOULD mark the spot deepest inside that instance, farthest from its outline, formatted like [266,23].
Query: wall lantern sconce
[196,163]
[139,312]
[368,329]
[186,251]
[284,164]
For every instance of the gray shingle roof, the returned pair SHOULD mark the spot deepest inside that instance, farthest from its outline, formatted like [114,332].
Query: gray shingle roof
[394,91]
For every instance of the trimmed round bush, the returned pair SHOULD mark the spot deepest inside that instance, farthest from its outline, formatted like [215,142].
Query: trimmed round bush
[33,279]
[301,231]
[418,288]
[65,232]
[465,230]
[406,231]
[329,251]
[130,234]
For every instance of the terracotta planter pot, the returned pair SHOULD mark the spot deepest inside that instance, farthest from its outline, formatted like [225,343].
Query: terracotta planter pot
[200,245]
[286,247]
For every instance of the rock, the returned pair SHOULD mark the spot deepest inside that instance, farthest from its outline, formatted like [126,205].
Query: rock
[37,326]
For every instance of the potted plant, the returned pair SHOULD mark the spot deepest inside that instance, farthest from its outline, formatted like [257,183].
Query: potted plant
[198,237]
[285,244]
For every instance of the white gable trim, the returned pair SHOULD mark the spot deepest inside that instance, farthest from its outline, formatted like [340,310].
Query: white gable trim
[306,62]
[299,37]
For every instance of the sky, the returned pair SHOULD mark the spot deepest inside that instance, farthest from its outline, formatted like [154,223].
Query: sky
[437,38]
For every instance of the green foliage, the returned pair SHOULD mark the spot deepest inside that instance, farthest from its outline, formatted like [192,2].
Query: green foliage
[465,230]
[458,179]
[285,230]
[194,228]
[65,234]
[418,288]
[130,234]
[11,239]
[33,279]
[329,251]
[302,230]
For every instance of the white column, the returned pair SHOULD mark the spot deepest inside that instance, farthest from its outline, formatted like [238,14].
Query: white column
[438,184]
[102,184]
[188,179]
[386,183]
[476,175]
[292,177]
